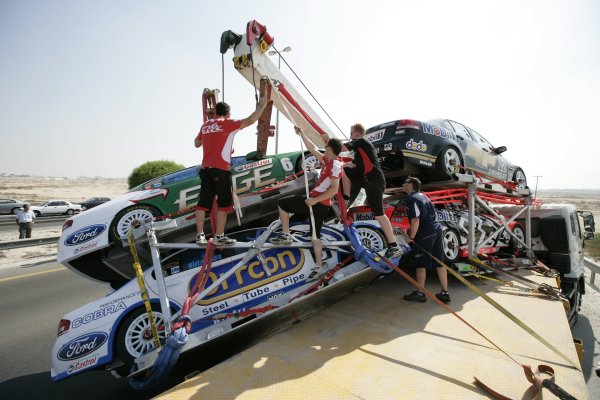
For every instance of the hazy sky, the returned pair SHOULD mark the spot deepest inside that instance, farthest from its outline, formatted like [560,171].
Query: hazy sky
[95,88]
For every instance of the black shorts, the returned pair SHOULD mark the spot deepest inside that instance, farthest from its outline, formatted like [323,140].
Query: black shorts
[434,246]
[215,181]
[297,205]
[374,186]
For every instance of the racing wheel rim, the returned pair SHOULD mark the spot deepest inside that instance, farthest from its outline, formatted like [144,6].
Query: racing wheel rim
[371,238]
[451,245]
[451,160]
[138,337]
[131,219]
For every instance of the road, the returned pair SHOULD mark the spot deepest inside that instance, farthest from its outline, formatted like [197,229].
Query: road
[7,222]
[34,301]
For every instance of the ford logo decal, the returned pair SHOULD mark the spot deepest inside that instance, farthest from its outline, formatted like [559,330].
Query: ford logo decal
[82,346]
[84,234]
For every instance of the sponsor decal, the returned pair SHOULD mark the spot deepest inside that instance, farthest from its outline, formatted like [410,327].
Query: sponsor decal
[445,215]
[98,314]
[245,167]
[122,298]
[212,128]
[79,365]
[82,346]
[375,136]
[412,145]
[363,216]
[86,247]
[84,234]
[250,279]
[427,163]
[400,132]
[437,131]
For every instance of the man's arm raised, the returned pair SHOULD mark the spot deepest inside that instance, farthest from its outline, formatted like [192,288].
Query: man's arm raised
[309,145]
[252,118]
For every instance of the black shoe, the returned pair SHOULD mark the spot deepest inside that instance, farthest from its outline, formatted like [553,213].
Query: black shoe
[445,297]
[393,252]
[415,296]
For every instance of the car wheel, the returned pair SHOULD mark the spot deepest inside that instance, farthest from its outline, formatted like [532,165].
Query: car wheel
[451,242]
[14,210]
[134,336]
[514,244]
[371,238]
[310,161]
[447,162]
[519,178]
[131,216]
[70,212]
[37,213]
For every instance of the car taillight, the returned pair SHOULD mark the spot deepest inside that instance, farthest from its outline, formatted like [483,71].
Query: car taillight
[63,326]
[409,123]
[67,224]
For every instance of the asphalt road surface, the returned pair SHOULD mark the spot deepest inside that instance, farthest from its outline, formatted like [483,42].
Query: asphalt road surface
[32,303]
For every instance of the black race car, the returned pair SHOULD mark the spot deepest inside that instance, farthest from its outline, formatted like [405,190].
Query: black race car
[435,149]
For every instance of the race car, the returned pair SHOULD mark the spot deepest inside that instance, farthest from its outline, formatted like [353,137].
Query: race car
[436,149]
[114,330]
[92,243]
[455,226]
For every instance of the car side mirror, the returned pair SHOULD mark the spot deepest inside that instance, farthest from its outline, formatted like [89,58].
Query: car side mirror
[588,235]
[500,150]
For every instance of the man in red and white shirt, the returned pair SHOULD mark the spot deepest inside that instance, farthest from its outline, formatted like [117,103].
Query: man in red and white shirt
[319,199]
[216,137]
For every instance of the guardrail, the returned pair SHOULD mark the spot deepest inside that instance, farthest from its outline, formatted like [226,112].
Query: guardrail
[594,267]
[28,242]
[11,221]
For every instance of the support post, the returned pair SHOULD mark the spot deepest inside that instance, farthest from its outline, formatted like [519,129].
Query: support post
[160,280]
[472,192]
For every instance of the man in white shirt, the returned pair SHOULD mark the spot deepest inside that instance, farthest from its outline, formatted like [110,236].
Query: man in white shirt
[25,220]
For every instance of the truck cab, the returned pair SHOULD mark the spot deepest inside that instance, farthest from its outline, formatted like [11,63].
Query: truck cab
[558,233]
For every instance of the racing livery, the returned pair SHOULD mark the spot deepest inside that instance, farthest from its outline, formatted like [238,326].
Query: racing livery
[438,148]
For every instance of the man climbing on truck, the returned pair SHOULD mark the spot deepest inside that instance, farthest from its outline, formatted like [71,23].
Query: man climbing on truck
[216,138]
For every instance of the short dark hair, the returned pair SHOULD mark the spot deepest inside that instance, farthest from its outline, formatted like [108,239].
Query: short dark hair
[414,181]
[222,109]
[336,146]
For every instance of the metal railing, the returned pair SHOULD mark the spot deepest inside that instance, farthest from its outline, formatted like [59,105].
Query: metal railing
[593,266]
[28,242]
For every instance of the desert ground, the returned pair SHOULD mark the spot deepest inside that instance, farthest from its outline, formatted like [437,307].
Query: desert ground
[40,189]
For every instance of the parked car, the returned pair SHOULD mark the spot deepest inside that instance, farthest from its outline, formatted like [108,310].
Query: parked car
[56,207]
[434,149]
[93,202]
[92,243]
[10,206]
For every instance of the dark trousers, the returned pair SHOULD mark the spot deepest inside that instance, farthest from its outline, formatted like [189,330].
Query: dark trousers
[25,230]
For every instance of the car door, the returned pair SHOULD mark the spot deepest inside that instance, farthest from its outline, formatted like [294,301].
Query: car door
[5,205]
[492,163]
[51,208]
[469,145]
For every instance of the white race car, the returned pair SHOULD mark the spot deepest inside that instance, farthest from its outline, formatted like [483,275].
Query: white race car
[114,330]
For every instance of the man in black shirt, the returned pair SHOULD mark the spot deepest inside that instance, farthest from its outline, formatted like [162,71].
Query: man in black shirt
[426,233]
[365,172]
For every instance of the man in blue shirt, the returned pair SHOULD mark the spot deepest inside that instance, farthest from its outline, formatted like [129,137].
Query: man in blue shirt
[426,233]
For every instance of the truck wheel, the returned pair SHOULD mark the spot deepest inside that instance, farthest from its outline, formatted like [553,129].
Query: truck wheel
[130,216]
[519,178]
[372,239]
[134,336]
[451,241]
[447,161]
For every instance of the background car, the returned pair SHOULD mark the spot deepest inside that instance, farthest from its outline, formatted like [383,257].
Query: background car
[436,149]
[10,206]
[56,207]
[93,202]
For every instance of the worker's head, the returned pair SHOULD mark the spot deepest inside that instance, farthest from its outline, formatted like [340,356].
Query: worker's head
[26,206]
[222,109]
[333,148]
[357,131]
[411,184]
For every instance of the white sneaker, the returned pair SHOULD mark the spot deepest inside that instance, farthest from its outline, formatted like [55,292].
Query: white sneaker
[316,272]
[201,238]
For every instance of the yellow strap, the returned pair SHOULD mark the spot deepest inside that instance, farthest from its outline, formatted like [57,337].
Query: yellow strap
[140,278]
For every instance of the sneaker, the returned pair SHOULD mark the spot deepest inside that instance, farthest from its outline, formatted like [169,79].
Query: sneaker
[415,296]
[201,238]
[316,273]
[444,297]
[393,252]
[283,238]
[223,241]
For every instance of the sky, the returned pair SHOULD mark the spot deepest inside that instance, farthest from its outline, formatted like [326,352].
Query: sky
[96,88]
